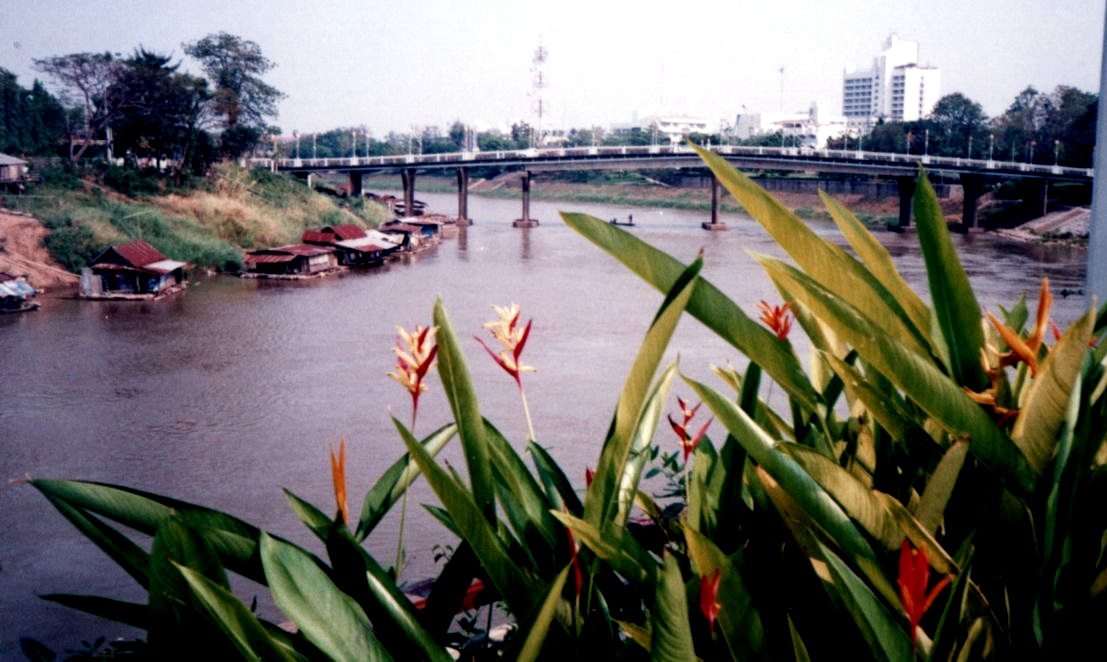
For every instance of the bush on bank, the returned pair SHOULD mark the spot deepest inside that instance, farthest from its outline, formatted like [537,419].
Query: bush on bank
[207,222]
[930,490]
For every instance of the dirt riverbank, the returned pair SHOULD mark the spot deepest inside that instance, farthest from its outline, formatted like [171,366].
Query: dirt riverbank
[22,253]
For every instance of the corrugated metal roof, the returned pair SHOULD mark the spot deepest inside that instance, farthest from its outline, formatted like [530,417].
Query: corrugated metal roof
[346,231]
[316,236]
[294,249]
[6,159]
[268,259]
[138,253]
[362,244]
[165,266]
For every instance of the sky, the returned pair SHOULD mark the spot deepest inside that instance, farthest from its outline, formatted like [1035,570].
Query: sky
[397,65]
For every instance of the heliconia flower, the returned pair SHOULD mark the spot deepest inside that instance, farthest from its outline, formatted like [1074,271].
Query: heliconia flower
[914,575]
[589,476]
[688,442]
[338,478]
[777,318]
[578,580]
[514,339]
[1026,350]
[415,354]
[709,604]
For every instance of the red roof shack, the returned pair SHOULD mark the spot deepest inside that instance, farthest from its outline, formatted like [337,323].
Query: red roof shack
[297,260]
[132,270]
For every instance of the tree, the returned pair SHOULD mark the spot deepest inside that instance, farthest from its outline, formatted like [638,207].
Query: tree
[959,121]
[32,122]
[85,80]
[241,100]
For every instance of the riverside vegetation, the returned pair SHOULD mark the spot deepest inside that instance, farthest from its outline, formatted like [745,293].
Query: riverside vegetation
[929,488]
[206,221]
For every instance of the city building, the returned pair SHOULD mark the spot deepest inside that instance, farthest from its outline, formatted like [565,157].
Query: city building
[896,88]
[667,129]
[799,129]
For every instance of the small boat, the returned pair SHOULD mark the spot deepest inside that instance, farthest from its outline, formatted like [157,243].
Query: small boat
[628,223]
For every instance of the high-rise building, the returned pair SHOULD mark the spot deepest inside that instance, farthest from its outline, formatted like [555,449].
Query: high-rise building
[896,88]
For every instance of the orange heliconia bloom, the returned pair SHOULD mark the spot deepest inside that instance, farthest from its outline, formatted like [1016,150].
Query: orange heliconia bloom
[777,318]
[709,604]
[415,354]
[338,477]
[506,330]
[1026,350]
[914,575]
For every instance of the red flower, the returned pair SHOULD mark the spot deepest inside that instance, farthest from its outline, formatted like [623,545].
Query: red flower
[777,318]
[578,580]
[589,474]
[338,477]
[688,443]
[914,575]
[415,354]
[709,605]
[506,330]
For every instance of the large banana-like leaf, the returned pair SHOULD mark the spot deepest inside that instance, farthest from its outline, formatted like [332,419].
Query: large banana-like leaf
[458,386]
[1046,400]
[819,258]
[604,501]
[799,484]
[512,581]
[920,379]
[707,304]
[955,307]
[876,258]
[127,613]
[394,482]
[329,618]
[616,547]
[536,633]
[670,630]
[559,489]
[238,623]
[638,453]
[522,491]
[939,489]
[859,501]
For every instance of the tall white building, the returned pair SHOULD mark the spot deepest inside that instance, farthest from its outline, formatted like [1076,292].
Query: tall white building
[896,88]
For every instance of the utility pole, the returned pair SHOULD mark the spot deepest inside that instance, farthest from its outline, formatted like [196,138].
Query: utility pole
[1096,281]
[537,67]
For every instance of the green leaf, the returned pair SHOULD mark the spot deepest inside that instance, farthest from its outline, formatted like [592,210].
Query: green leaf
[393,483]
[605,501]
[882,630]
[615,546]
[670,630]
[638,452]
[1047,398]
[482,536]
[932,505]
[536,634]
[313,518]
[822,260]
[558,488]
[127,613]
[241,627]
[707,304]
[955,307]
[524,491]
[920,379]
[462,397]
[329,618]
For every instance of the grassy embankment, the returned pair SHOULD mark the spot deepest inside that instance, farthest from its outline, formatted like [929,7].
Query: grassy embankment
[208,224]
[636,190]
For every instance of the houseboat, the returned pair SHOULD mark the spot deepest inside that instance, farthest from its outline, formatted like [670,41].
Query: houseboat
[16,294]
[132,271]
[291,262]
[352,244]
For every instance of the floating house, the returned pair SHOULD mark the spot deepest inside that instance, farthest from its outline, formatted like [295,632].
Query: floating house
[352,245]
[13,172]
[16,294]
[134,270]
[293,262]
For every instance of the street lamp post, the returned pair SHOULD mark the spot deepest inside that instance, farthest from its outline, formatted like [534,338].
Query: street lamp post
[353,149]
[926,143]
[1030,150]
[969,155]
[296,135]
[368,140]
[991,145]
[313,153]
[1056,151]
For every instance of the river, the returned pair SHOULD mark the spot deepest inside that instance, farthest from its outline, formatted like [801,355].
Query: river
[234,390]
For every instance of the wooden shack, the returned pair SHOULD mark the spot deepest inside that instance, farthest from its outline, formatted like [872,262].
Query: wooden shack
[135,270]
[352,244]
[293,261]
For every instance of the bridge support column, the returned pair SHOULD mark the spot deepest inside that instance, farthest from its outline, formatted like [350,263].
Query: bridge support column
[1037,199]
[526,221]
[355,184]
[463,197]
[715,223]
[906,186]
[408,177]
[973,188]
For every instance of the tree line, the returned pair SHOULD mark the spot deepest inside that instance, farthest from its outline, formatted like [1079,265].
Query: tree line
[142,107]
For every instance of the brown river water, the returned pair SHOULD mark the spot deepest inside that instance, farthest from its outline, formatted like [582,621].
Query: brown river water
[229,393]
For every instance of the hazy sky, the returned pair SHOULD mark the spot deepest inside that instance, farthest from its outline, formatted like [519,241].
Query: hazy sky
[392,65]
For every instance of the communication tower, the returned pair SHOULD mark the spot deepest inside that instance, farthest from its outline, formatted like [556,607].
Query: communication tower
[538,84]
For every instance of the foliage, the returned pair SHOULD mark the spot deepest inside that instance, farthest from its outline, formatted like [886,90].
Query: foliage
[85,81]
[919,443]
[32,122]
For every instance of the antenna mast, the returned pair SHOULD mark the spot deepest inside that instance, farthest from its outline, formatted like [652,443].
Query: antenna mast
[538,83]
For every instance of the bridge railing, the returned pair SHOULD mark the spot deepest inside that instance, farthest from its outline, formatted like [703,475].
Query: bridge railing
[608,153]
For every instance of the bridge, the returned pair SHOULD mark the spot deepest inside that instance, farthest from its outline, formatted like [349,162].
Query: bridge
[903,168]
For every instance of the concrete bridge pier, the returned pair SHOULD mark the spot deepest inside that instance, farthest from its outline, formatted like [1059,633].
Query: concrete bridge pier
[355,184]
[715,223]
[463,198]
[906,187]
[526,221]
[407,176]
[1037,201]
[973,187]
